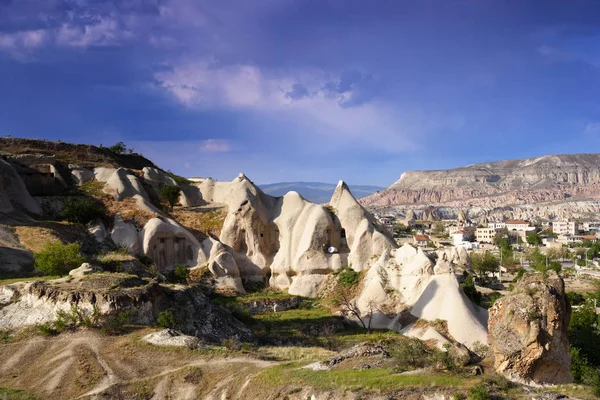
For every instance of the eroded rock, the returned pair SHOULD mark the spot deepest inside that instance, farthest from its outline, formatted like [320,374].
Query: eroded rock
[528,331]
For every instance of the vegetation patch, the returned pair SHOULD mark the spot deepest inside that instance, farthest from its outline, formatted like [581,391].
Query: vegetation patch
[58,258]
[201,222]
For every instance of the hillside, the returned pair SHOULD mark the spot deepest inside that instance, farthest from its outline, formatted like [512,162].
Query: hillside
[554,178]
[316,192]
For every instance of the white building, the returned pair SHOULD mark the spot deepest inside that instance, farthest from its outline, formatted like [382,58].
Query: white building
[459,237]
[591,226]
[519,225]
[565,227]
[485,235]
[497,225]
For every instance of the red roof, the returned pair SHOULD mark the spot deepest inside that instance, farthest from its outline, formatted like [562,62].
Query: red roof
[517,222]
[588,237]
[421,238]
[463,232]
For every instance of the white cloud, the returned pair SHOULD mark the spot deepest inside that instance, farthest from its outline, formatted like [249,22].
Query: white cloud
[214,146]
[208,85]
[592,129]
[20,44]
[103,32]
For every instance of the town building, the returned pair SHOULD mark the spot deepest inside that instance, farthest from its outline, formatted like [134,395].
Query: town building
[519,225]
[459,237]
[485,235]
[421,240]
[565,227]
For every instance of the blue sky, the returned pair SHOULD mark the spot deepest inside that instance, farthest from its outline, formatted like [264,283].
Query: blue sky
[288,90]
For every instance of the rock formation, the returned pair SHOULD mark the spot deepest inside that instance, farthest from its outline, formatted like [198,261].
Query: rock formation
[539,182]
[23,304]
[13,192]
[528,331]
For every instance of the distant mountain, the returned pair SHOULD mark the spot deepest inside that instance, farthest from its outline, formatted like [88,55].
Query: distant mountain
[317,192]
[556,186]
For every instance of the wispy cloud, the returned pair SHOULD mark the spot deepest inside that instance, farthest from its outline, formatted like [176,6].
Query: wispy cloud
[214,146]
[592,129]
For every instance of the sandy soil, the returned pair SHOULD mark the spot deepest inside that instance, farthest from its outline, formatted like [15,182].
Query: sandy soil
[88,365]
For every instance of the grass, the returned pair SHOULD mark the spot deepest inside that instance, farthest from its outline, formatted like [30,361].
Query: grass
[93,188]
[262,295]
[35,238]
[28,279]
[15,394]
[202,223]
[371,379]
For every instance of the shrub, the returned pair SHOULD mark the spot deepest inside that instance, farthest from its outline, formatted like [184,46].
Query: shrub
[169,194]
[181,273]
[113,323]
[468,287]
[232,343]
[46,329]
[348,277]
[166,319]
[479,392]
[58,258]
[82,210]
[118,148]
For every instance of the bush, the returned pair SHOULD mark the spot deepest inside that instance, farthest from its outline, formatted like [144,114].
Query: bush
[46,329]
[118,148]
[169,194]
[348,277]
[468,287]
[58,258]
[82,210]
[113,323]
[479,392]
[181,273]
[581,369]
[166,319]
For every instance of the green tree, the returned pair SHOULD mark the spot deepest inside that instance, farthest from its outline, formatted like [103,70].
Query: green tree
[169,194]
[58,258]
[118,148]
[484,263]
[82,210]
[534,239]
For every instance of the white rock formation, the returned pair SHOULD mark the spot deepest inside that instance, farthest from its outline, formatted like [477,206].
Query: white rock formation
[13,191]
[98,230]
[81,175]
[287,237]
[125,235]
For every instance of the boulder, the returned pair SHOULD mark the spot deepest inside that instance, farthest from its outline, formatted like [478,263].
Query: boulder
[528,331]
[83,270]
[81,175]
[170,337]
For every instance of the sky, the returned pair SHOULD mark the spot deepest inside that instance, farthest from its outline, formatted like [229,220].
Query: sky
[305,90]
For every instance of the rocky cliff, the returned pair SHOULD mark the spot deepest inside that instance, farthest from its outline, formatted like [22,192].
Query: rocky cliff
[528,331]
[547,179]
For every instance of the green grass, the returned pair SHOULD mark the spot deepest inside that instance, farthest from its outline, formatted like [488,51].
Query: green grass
[93,188]
[28,279]
[15,394]
[371,379]
[262,295]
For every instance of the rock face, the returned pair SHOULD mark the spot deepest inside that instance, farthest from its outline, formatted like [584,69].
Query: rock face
[493,185]
[23,304]
[286,240]
[13,191]
[528,331]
